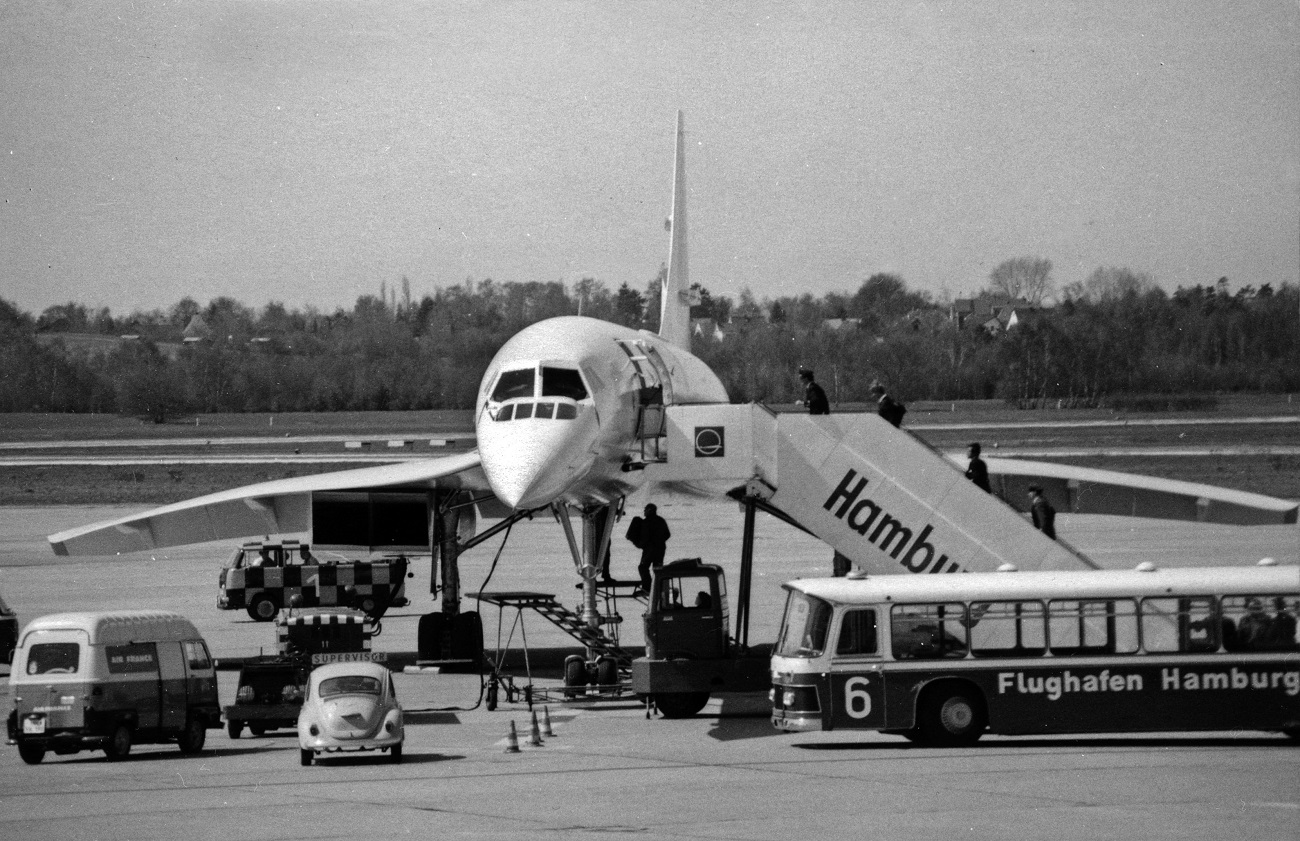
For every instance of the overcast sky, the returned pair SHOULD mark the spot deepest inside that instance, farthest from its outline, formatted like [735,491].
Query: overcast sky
[307,152]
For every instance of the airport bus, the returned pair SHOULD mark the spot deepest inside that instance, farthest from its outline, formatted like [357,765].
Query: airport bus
[941,659]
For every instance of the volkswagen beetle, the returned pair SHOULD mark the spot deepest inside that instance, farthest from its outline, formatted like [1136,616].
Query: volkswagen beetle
[350,707]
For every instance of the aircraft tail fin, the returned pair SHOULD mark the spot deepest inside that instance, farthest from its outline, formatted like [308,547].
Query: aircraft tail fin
[675,310]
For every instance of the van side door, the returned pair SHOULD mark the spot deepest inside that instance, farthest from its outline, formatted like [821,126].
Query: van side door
[171,662]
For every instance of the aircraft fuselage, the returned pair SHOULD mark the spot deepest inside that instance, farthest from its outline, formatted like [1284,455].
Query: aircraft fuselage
[557,414]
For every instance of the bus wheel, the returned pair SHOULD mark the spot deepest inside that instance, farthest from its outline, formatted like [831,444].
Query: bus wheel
[952,718]
[234,727]
[263,608]
[120,745]
[31,754]
[681,704]
[192,738]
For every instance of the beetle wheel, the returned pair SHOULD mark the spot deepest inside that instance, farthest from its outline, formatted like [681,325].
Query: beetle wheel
[305,756]
[395,753]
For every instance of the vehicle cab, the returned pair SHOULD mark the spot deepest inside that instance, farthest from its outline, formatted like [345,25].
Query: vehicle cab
[687,612]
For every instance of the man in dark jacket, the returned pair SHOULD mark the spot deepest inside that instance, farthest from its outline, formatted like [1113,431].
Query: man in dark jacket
[978,471]
[889,408]
[813,395]
[650,534]
[1042,512]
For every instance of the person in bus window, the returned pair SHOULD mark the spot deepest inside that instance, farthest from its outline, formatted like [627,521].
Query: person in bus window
[1255,630]
[1283,630]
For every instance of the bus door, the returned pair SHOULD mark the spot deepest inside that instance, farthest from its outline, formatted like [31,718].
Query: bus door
[853,696]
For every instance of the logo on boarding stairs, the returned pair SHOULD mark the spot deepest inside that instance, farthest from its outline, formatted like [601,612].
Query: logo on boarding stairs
[883,530]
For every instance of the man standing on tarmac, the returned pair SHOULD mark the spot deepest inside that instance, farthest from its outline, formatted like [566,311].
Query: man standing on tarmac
[813,396]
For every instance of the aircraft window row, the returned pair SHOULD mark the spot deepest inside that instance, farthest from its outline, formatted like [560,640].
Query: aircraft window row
[543,411]
[1080,627]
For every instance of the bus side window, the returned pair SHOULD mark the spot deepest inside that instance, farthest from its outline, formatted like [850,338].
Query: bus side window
[1187,625]
[928,631]
[1261,623]
[1092,626]
[857,633]
[1008,629]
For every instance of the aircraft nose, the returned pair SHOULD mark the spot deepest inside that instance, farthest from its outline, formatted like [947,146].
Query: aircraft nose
[531,462]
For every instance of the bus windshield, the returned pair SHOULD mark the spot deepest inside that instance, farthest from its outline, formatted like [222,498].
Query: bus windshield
[803,630]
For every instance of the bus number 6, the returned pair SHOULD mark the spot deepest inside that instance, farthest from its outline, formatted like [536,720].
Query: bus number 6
[857,701]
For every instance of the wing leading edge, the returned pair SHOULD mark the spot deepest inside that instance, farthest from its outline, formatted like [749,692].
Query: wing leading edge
[1084,490]
[282,506]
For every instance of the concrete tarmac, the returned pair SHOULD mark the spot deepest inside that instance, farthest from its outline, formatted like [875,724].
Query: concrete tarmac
[725,774]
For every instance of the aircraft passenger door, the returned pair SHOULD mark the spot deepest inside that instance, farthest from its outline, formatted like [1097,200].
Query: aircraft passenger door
[655,389]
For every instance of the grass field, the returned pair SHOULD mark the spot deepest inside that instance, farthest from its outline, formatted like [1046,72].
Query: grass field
[946,426]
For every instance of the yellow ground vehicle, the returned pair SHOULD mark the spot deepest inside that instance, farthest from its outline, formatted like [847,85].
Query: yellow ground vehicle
[105,681]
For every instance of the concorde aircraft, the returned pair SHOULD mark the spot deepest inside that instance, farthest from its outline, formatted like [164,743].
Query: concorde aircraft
[569,415]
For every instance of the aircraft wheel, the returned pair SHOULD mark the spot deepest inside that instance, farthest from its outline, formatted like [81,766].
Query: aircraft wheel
[31,754]
[234,727]
[606,672]
[681,704]
[120,745]
[575,676]
[952,717]
[305,757]
[263,608]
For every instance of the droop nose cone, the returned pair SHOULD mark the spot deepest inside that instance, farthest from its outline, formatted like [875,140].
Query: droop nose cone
[532,462]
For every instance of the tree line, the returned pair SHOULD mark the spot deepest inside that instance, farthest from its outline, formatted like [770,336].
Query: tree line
[1116,334]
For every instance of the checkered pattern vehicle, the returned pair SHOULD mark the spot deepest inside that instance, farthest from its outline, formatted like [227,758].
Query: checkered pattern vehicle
[262,590]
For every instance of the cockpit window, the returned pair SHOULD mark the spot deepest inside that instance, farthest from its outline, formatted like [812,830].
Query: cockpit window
[562,382]
[518,383]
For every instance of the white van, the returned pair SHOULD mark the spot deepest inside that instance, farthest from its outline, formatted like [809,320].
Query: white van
[103,681]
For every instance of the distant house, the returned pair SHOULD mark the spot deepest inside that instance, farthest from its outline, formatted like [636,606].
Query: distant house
[995,313]
[707,327]
[839,324]
[196,331]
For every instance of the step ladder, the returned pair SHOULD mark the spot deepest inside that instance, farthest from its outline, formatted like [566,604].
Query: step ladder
[571,623]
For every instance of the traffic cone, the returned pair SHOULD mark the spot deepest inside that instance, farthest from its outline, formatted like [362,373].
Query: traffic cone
[512,741]
[535,735]
[546,723]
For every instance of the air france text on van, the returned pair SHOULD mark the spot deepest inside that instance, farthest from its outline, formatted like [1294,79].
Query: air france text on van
[862,514]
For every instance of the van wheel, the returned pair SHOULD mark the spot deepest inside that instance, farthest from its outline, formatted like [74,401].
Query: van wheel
[263,608]
[31,754]
[952,718]
[120,745]
[257,729]
[681,704]
[193,737]
[305,757]
[234,727]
